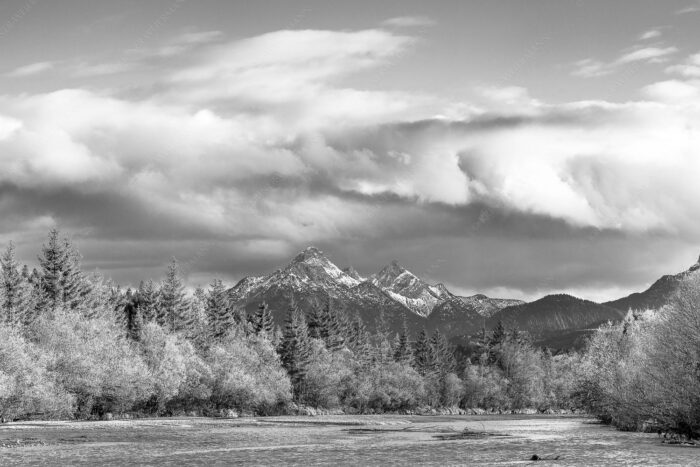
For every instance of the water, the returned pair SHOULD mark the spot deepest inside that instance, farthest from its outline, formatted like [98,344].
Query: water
[402,440]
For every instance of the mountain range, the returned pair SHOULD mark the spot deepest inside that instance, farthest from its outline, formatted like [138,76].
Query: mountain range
[395,296]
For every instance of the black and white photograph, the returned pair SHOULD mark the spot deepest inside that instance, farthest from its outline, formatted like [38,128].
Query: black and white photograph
[362,233]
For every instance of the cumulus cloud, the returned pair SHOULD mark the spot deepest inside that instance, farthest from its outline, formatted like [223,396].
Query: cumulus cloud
[690,68]
[258,147]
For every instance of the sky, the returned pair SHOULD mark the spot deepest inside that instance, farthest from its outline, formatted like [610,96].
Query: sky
[509,148]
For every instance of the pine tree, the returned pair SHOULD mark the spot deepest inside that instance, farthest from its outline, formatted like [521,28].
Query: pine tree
[499,334]
[173,308]
[331,328]
[443,354]
[15,289]
[53,262]
[314,320]
[36,294]
[133,318]
[218,309]
[423,354]
[359,340]
[118,301]
[76,288]
[62,281]
[262,321]
[402,347]
[147,300]
[295,349]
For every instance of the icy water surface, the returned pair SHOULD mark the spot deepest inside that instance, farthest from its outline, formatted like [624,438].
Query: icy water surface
[351,440]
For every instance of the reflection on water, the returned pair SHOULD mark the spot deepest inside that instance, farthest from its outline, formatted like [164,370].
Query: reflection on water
[382,440]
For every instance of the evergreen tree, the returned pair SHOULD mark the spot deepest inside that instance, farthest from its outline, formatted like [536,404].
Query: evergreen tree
[15,289]
[133,318]
[331,328]
[314,320]
[119,301]
[499,334]
[36,294]
[262,321]
[218,309]
[147,301]
[360,342]
[402,346]
[443,354]
[62,281]
[173,308]
[383,328]
[423,354]
[77,289]
[295,349]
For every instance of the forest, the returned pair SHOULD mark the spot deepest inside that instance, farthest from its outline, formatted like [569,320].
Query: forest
[75,345]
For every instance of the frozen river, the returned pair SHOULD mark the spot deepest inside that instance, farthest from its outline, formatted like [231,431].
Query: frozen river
[339,440]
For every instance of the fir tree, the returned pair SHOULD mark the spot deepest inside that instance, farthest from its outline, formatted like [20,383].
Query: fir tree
[218,309]
[262,321]
[173,308]
[331,328]
[314,320]
[15,289]
[359,340]
[295,349]
[147,300]
[36,294]
[402,346]
[62,281]
[133,318]
[443,354]
[423,354]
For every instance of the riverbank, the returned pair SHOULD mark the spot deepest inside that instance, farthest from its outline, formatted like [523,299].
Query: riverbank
[340,440]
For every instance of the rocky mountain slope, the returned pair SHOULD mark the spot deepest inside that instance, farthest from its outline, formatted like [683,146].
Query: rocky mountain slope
[397,296]
[658,294]
[311,279]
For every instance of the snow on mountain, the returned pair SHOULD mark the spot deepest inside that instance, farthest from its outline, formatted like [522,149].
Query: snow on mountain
[311,271]
[409,290]
[487,306]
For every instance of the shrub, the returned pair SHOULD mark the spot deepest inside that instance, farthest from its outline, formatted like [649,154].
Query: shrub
[322,382]
[181,378]
[247,375]
[92,360]
[384,387]
[25,386]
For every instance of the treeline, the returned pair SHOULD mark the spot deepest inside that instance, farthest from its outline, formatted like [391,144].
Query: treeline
[76,345]
[644,373]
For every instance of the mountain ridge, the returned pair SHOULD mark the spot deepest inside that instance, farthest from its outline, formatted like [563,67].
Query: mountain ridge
[399,296]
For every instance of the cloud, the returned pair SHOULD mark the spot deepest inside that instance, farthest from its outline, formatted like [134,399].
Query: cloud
[258,146]
[185,42]
[85,69]
[30,70]
[650,34]
[591,68]
[687,10]
[647,54]
[690,68]
[673,91]
[408,22]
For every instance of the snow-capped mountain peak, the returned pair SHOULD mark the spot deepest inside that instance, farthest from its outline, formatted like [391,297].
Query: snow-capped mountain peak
[312,265]
[408,289]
